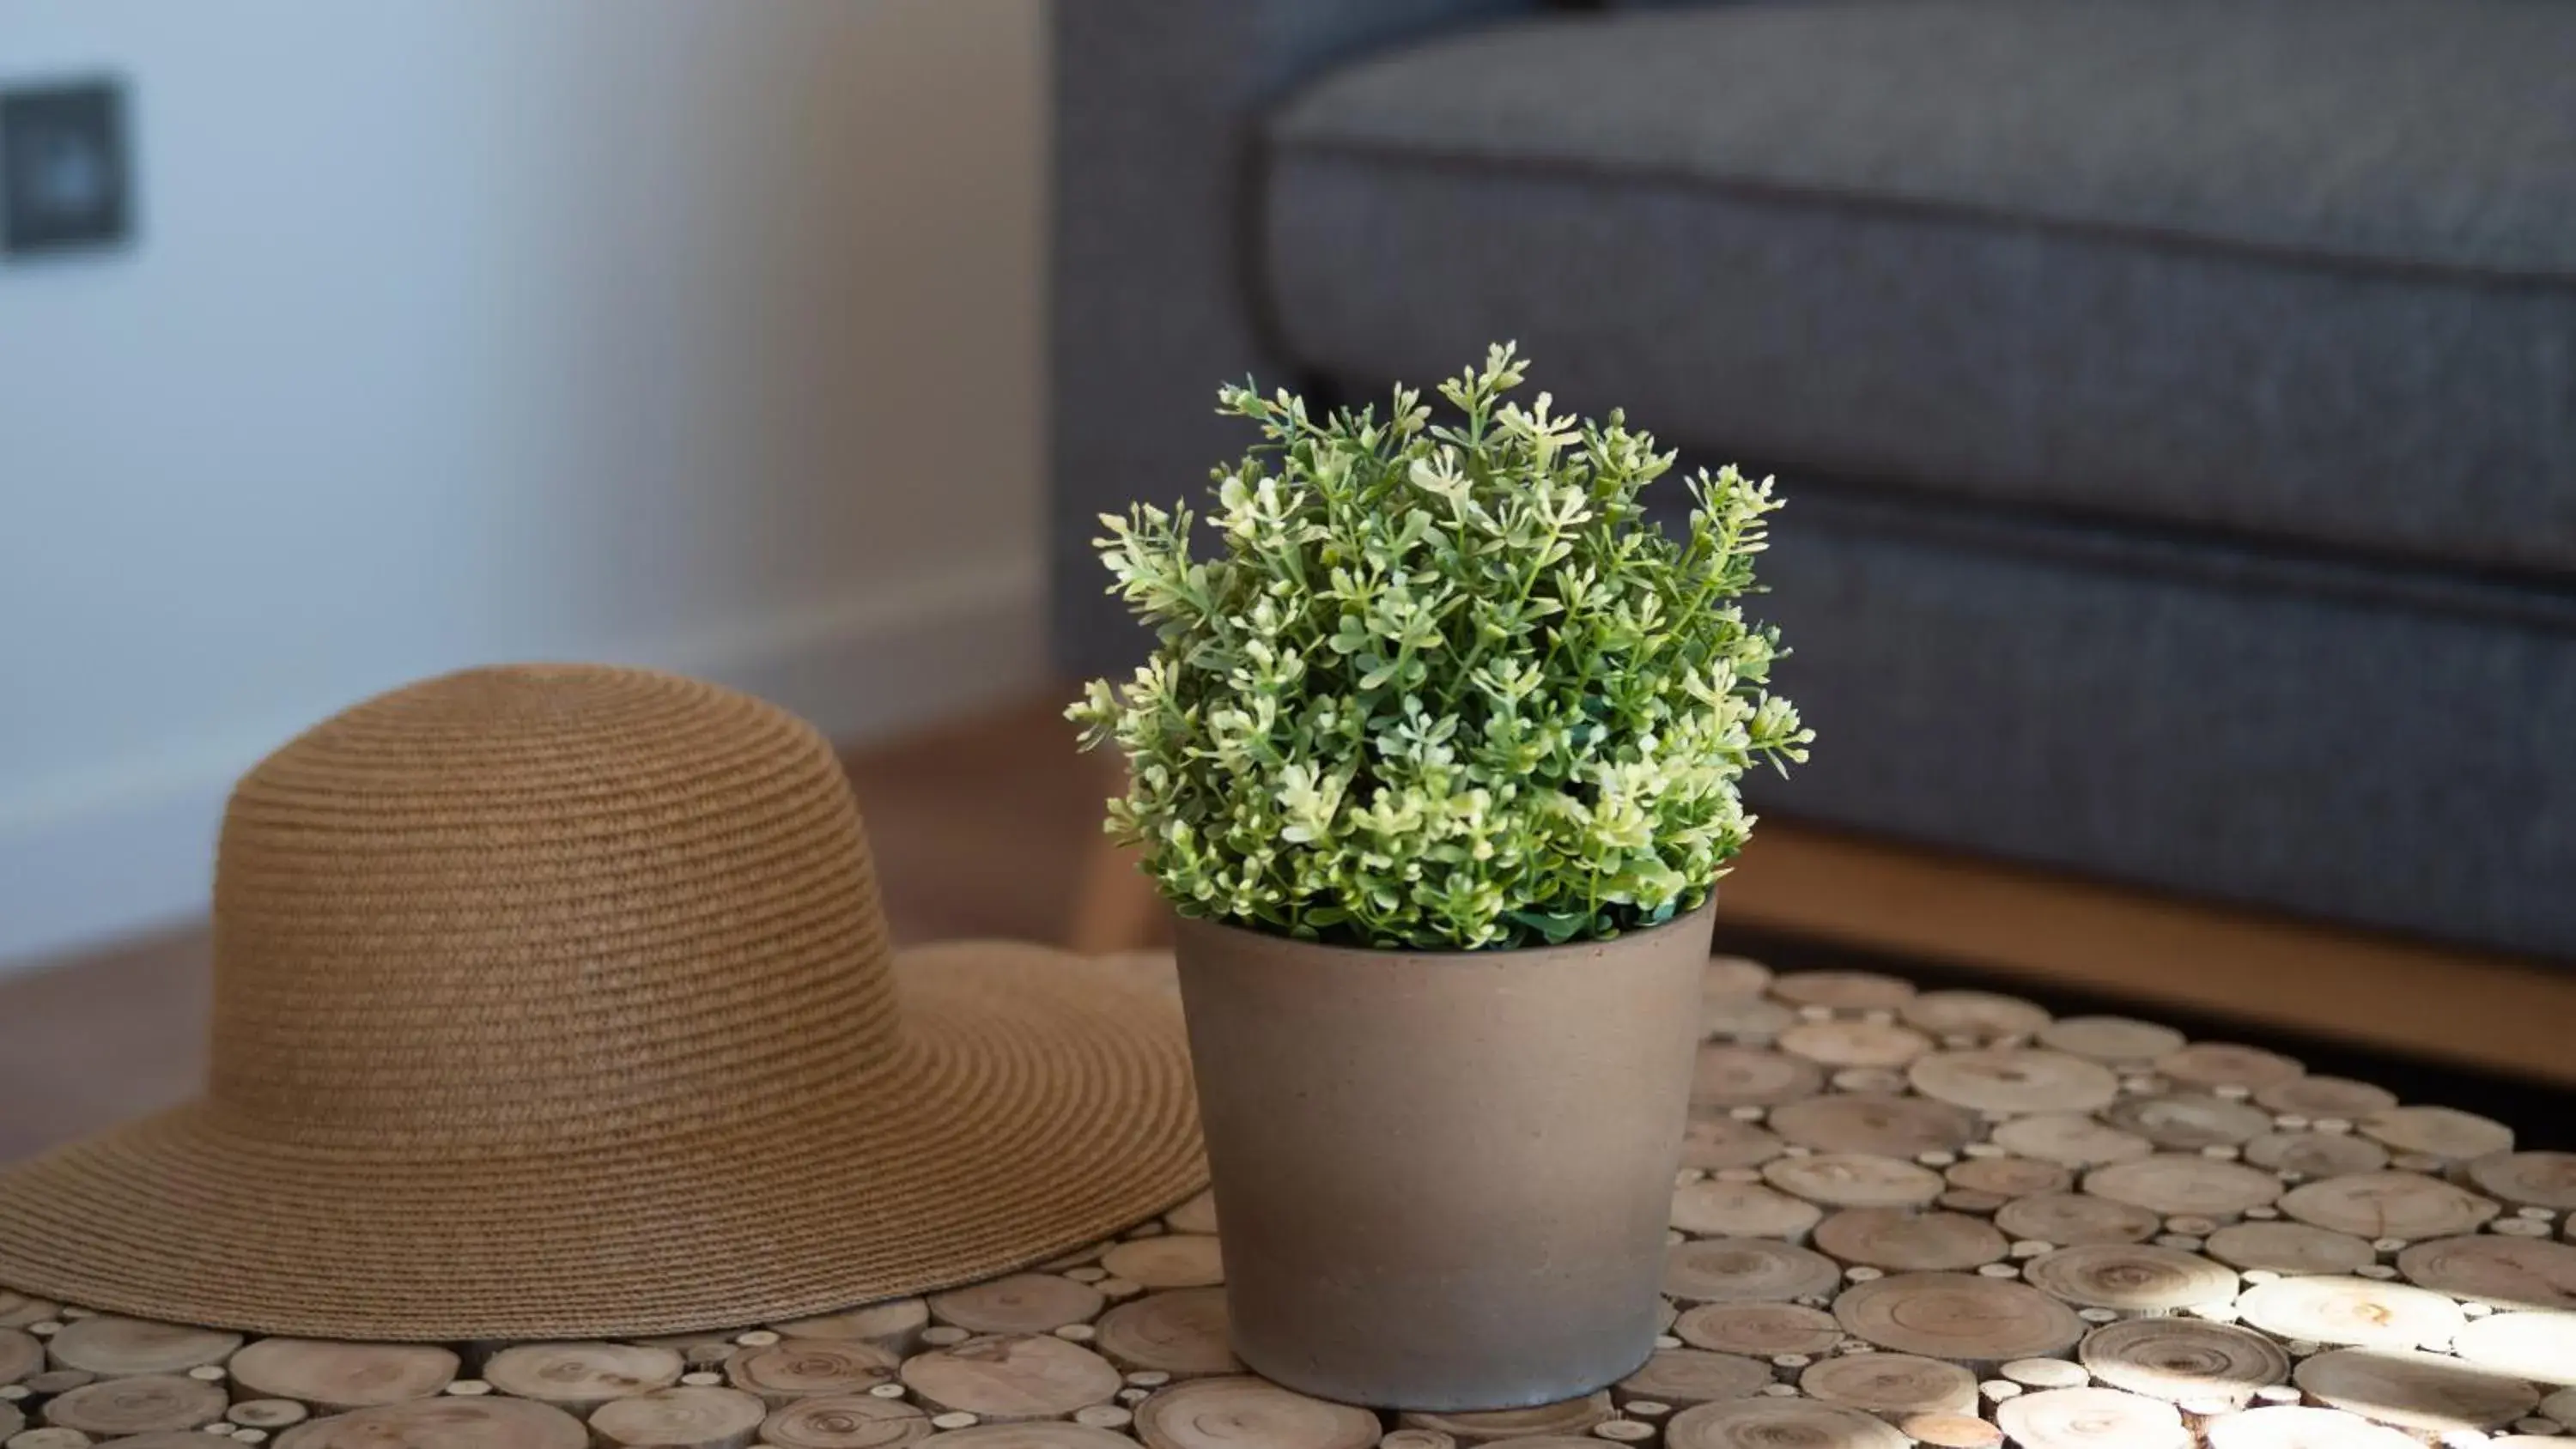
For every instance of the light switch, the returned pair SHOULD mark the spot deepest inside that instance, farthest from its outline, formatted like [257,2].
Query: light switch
[66,179]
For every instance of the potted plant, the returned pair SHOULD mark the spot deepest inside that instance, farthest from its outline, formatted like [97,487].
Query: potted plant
[1437,759]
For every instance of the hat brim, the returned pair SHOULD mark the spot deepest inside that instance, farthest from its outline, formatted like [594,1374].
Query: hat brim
[1045,1104]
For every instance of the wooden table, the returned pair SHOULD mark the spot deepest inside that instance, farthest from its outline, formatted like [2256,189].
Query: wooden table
[1938,1218]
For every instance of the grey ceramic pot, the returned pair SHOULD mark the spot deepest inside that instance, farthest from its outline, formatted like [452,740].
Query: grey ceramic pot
[1443,1179]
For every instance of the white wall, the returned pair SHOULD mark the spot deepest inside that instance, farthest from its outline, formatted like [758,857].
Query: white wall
[700,333]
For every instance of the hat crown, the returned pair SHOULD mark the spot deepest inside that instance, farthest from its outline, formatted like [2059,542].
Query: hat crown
[521,909]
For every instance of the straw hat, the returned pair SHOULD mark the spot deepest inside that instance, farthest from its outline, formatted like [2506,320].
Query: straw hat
[557,1001]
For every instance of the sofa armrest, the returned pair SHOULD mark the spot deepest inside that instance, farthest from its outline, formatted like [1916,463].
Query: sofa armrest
[1155,295]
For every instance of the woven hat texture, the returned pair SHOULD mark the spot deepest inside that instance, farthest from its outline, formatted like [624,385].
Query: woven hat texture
[557,1001]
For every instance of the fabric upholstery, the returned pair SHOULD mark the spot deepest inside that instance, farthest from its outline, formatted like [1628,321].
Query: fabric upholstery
[1158,110]
[2299,735]
[2295,270]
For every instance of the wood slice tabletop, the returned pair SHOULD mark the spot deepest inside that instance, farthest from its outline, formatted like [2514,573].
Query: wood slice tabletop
[1937,1218]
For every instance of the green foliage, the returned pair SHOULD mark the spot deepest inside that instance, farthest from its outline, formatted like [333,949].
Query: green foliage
[1444,686]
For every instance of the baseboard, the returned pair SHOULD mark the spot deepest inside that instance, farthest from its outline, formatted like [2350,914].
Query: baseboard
[883,663]
[131,853]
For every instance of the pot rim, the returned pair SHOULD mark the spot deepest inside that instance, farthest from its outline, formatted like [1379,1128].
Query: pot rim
[1542,951]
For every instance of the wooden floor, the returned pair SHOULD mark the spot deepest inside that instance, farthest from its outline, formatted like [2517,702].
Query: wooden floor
[987,828]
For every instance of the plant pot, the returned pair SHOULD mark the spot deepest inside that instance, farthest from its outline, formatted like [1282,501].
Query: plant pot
[1443,1178]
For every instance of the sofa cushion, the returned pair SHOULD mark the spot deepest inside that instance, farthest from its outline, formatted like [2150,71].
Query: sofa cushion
[2381,747]
[2300,270]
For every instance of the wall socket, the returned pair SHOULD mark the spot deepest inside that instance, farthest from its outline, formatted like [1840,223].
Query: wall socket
[66,168]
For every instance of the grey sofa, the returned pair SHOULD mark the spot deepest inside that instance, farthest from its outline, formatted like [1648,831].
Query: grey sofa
[2176,398]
